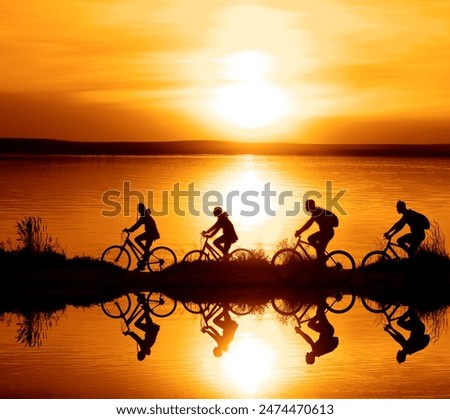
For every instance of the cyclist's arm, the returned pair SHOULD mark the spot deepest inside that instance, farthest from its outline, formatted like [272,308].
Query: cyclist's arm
[212,332]
[305,336]
[305,227]
[135,336]
[396,335]
[136,225]
[213,230]
[396,227]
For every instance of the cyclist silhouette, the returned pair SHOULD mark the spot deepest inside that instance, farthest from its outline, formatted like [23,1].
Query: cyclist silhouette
[417,222]
[228,326]
[229,236]
[144,240]
[326,342]
[326,221]
[150,329]
[417,340]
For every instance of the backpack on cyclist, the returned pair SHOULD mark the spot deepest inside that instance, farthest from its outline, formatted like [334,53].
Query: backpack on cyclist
[332,218]
[419,220]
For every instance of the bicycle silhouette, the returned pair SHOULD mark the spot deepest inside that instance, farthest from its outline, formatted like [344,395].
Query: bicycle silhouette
[209,252]
[159,259]
[208,310]
[337,303]
[158,304]
[376,267]
[336,260]
[388,253]
[326,341]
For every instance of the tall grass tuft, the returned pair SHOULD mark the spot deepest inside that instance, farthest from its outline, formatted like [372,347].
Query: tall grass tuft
[434,242]
[34,238]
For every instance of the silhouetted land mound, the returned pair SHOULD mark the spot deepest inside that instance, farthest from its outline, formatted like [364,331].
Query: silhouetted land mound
[52,281]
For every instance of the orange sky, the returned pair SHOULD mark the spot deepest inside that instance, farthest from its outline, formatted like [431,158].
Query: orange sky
[281,70]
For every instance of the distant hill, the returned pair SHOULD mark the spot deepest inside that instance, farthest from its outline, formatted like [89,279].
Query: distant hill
[59,147]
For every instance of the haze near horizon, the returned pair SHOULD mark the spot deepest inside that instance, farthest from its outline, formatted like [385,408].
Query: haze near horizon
[340,72]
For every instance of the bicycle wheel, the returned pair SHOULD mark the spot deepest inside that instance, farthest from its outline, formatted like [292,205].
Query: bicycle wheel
[195,255]
[286,257]
[240,309]
[118,307]
[372,263]
[340,303]
[285,307]
[241,254]
[118,256]
[340,261]
[161,305]
[374,306]
[160,258]
[195,308]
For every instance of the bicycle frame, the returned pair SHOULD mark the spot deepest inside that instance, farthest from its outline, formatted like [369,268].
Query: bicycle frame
[138,309]
[208,249]
[300,245]
[300,317]
[138,253]
[391,248]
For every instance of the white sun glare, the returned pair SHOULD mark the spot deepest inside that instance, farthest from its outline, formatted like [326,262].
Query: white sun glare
[249,99]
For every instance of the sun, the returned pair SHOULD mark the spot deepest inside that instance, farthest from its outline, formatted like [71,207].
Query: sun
[249,98]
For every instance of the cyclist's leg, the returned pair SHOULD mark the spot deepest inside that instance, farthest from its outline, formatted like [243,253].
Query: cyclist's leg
[319,241]
[314,239]
[143,321]
[405,242]
[144,241]
[416,241]
[220,243]
[226,247]
[325,238]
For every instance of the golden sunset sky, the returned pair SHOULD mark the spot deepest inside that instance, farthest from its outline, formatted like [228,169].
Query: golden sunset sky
[275,70]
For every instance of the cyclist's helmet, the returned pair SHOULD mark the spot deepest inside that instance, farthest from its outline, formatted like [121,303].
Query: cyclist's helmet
[141,209]
[217,211]
[401,205]
[310,204]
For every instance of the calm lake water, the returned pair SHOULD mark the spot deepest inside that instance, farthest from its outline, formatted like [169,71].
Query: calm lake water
[86,202]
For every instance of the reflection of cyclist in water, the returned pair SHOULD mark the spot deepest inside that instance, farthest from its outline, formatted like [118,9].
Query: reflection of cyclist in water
[151,233]
[228,326]
[150,329]
[326,221]
[326,342]
[229,236]
[417,340]
[417,222]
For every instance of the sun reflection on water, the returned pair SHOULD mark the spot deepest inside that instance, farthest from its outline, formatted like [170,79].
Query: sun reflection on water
[249,364]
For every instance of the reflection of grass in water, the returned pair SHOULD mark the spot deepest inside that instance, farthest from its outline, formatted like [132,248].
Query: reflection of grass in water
[436,321]
[32,326]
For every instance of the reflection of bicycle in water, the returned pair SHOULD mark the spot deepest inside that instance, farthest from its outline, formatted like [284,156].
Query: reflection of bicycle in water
[217,323]
[337,303]
[158,304]
[145,330]
[209,252]
[208,310]
[336,260]
[160,257]
[407,319]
